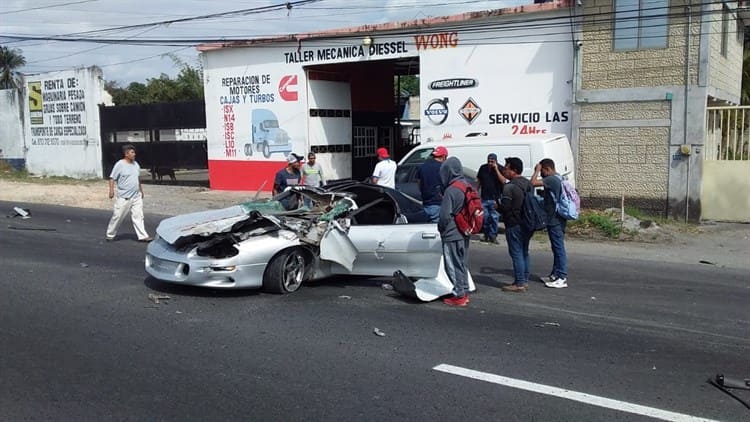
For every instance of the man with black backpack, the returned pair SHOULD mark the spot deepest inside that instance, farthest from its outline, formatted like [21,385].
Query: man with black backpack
[455,243]
[552,182]
[516,234]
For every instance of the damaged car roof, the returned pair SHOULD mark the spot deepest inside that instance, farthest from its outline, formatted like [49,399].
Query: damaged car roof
[205,223]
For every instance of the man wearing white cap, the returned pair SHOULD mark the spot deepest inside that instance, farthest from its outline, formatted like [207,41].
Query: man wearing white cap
[288,176]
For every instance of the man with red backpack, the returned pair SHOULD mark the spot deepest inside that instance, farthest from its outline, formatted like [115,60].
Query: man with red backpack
[455,242]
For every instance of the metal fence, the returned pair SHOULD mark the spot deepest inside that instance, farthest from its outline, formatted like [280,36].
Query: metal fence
[727,134]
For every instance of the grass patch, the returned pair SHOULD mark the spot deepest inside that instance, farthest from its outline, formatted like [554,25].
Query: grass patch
[595,224]
[7,172]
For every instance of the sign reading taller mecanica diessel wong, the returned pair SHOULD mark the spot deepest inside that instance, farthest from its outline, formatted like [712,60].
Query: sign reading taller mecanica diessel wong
[268,99]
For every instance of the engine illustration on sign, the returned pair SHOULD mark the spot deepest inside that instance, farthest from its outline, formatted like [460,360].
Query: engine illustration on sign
[267,136]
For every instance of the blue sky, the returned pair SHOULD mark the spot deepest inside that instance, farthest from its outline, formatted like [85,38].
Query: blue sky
[127,63]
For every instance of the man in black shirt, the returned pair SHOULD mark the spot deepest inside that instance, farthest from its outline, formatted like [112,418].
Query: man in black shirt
[491,181]
[516,235]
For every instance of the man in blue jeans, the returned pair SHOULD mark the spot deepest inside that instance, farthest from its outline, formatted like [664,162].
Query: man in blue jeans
[552,182]
[516,235]
[429,183]
[491,182]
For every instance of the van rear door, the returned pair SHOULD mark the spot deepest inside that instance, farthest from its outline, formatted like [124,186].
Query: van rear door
[559,150]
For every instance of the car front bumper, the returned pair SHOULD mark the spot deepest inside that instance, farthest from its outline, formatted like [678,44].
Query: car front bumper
[165,263]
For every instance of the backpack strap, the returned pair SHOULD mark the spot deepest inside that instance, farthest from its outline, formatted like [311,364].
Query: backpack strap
[460,185]
[463,187]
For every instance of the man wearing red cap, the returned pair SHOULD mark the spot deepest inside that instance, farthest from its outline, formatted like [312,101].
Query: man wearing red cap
[430,185]
[385,171]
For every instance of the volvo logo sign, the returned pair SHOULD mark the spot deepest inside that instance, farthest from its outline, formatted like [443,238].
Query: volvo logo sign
[437,111]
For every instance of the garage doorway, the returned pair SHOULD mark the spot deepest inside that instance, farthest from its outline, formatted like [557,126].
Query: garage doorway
[376,111]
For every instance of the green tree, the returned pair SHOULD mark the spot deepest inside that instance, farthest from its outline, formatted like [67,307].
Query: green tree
[189,80]
[188,85]
[11,59]
[409,85]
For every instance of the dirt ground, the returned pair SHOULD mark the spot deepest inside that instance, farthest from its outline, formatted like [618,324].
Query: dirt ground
[720,244]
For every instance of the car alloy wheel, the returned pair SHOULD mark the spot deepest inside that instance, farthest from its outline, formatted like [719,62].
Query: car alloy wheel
[293,271]
[285,272]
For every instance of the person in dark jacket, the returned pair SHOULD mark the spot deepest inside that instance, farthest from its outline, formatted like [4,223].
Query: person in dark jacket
[429,183]
[552,183]
[455,244]
[491,182]
[516,235]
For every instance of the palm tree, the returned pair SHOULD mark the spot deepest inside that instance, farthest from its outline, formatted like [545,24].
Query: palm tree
[10,60]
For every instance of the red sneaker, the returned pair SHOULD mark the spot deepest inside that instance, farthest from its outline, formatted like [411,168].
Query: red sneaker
[457,301]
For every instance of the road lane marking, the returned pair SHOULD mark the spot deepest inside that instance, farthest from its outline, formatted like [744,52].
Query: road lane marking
[569,394]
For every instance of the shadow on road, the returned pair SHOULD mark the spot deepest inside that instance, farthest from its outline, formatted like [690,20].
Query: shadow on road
[180,290]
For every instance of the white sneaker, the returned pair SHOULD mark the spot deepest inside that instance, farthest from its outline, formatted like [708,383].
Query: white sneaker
[558,283]
[548,279]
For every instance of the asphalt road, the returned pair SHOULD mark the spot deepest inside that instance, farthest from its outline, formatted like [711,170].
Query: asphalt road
[80,340]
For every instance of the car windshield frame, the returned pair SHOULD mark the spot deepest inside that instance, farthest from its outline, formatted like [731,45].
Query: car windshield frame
[419,156]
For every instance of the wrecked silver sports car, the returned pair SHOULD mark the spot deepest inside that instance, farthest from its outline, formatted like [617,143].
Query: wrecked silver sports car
[277,244]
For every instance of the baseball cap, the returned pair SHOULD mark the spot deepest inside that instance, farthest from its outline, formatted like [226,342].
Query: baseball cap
[440,152]
[293,158]
[383,153]
[492,156]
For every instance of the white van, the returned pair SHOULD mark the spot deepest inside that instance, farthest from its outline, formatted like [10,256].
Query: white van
[473,151]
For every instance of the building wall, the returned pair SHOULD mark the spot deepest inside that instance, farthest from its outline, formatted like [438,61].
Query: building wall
[11,128]
[460,78]
[602,67]
[725,73]
[624,160]
[62,123]
[636,107]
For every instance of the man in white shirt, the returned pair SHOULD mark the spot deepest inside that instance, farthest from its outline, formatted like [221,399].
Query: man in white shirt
[385,171]
[125,174]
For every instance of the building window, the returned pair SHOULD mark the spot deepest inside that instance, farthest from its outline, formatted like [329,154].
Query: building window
[740,30]
[364,141]
[641,24]
[724,29]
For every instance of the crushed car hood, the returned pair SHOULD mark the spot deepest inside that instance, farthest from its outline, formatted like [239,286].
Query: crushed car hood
[201,223]
[206,223]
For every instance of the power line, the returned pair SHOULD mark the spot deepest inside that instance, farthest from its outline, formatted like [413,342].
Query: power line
[465,27]
[253,10]
[46,7]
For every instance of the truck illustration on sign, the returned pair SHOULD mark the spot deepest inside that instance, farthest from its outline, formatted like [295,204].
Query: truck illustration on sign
[267,136]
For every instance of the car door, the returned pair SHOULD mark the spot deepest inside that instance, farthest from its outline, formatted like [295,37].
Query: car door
[415,249]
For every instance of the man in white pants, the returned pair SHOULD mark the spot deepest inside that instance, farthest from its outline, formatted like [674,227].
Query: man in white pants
[125,174]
